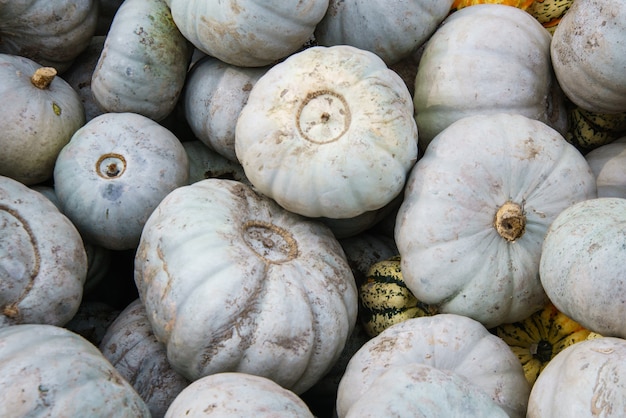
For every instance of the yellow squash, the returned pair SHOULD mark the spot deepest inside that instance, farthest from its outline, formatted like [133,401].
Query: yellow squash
[537,339]
[589,130]
[385,299]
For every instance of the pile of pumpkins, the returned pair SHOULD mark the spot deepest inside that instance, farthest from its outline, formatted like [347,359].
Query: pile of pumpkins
[324,208]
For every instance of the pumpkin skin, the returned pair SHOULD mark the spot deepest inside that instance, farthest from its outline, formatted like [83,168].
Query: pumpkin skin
[581,264]
[272,290]
[584,380]
[248,33]
[391,30]
[427,392]
[114,171]
[540,337]
[487,58]
[237,395]
[588,56]
[40,121]
[449,342]
[48,371]
[43,263]
[214,94]
[143,64]
[334,110]
[34,29]
[475,211]
[608,164]
[205,163]
[129,344]
[385,299]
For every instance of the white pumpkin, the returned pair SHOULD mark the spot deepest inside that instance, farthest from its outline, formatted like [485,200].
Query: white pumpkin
[587,379]
[589,57]
[608,163]
[328,132]
[205,163]
[451,343]
[248,33]
[582,269]
[233,282]
[475,211]
[43,263]
[487,58]
[390,29]
[114,171]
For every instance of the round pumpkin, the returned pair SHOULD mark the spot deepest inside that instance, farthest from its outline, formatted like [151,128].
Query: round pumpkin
[48,371]
[475,211]
[237,395]
[248,33]
[143,63]
[329,132]
[483,59]
[114,171]
[390,29]
[588,55]
[233,282]
[581,264]
[452,343]
[52,33]
[43,114]
[608,164]
[131,347]
[43,263]
[584,380]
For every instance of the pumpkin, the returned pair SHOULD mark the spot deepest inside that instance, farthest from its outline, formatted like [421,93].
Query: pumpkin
[538,338]
[52,33]
[237,395]
[214,94]
[114,172]
[385,299]
[206,163]
[475,211]
[608,164]
[44,113]
[129,344]
[391,30]
[248,33]
[427,392]
[581,264]
[250,287]
[43,263]
[590,130]
[449,342]
[48,371]
[588,56]
[584,380]
[487,58]
[143,64]
[329,132]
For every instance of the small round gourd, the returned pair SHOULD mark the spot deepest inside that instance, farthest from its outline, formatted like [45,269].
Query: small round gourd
[584,380]
[329,132]
[114,171]
[390,29]
[582,269]
[483,59]
[43,263]
[475,211]
[248,33]
[452,343]
[608,164]
[43,114]
[237,395]
[590,130]
[48,371]
[588,55]
[233,282]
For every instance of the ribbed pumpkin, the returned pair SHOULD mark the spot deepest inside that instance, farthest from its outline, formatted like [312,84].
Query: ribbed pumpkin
[608,163]
[540,337]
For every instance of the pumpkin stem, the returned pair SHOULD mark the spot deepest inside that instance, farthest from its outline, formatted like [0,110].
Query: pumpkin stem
[510,221]
[43,77]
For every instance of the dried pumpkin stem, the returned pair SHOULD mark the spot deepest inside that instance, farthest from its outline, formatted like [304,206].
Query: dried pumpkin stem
[510,221]
[43,77]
